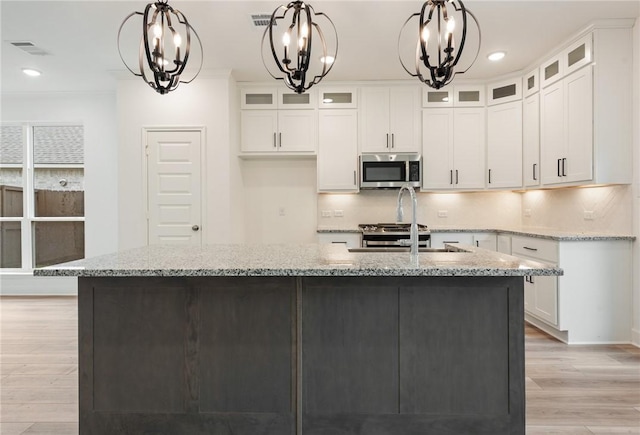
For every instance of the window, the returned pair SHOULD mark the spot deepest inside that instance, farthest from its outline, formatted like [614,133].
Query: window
[41,195]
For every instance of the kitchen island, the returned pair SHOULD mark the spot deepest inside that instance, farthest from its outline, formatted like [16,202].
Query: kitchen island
[300,339]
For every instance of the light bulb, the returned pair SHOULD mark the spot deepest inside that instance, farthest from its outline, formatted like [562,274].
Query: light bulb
[177,40]
[304,32]
[286,39]
[451,25]
[425,34]
[157,30]
[327,59]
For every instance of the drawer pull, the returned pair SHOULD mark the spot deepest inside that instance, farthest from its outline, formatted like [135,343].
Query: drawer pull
[529,249]
[451,241]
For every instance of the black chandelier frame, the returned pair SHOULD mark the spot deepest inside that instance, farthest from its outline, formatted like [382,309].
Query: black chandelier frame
[295,70]
[164,80]
[442,73]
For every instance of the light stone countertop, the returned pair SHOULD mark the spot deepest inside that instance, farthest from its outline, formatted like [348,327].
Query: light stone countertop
[295,260]
[541,233]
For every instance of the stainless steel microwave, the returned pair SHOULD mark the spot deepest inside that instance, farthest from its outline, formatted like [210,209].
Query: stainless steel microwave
[388,171]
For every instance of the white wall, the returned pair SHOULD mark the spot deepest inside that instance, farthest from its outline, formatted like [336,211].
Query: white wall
[280,200]
[203,103]
[97,112]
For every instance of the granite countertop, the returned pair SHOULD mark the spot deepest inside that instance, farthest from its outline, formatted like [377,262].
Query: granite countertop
[541,233]
[295,260]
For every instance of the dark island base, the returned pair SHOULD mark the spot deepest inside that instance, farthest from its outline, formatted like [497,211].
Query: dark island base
[311,356]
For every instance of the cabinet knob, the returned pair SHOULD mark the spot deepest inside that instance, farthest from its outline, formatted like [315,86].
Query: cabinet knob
[195,228]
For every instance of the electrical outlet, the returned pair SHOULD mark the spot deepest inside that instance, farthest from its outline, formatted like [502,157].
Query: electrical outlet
[443,213]
[527,212]
[326,213]
[338,213]
[588,215]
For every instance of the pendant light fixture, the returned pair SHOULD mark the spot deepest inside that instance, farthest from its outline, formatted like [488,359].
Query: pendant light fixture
[161,56]
[290,33]
[441,33]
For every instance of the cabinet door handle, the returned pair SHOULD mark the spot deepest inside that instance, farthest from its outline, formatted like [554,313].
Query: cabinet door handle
[280,137]
[559,174]
[534,172]
[526,279]
[451,176]
[387,140]
[274,141]
[529,249]
[564,161]
[354,178]
[477,243]
[393,140]
[456,176]
[489,176]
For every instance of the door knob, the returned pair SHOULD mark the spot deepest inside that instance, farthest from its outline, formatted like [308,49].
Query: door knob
[195,228]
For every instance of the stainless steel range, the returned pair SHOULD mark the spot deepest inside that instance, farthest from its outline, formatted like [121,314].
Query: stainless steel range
[392,235]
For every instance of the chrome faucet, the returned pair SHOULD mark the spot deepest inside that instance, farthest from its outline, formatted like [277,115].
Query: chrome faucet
[414,225]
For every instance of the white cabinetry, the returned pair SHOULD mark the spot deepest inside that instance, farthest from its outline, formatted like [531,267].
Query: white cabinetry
[284,131]
[540,292]
[504,145]
[453,148]
[454,96]
[567,136]
[590,302]
[531,140]
[337,150]
[585,110]
[390,119]
[350,240]
[481,240]
[504,91]
[274,121]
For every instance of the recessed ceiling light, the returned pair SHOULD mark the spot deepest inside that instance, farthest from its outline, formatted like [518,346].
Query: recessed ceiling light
[31,72]
[496,56]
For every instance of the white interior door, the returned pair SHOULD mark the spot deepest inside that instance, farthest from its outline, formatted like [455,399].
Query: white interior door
[173,182]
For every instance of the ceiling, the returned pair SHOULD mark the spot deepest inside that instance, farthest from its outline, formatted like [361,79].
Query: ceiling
[80,37]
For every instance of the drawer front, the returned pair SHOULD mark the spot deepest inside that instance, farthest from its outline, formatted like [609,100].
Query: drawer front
[544,250]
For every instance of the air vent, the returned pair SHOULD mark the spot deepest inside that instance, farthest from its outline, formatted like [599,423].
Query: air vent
[260,20]
[29,47]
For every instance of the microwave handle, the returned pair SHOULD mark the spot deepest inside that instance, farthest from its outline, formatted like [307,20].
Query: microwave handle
[407,169]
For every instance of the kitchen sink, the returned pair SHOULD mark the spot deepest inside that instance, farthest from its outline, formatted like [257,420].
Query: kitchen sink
[405,249]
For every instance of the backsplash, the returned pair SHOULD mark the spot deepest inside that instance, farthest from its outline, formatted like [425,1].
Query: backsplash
[478,209]
[608,209]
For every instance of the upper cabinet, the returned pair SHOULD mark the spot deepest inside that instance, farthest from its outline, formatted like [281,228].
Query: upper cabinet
[504,145]
[337,98]
[504,91]
[454,96]
[571,59]
[531,83]
[453,148]
[276,98]
[338,151]
[585,111]
[390,119]
[269,125]
[531,140]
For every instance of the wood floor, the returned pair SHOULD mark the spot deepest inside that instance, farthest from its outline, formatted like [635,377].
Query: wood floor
[570,389]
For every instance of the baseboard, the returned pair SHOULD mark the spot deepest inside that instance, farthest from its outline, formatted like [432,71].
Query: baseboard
[29,285]
[563,336]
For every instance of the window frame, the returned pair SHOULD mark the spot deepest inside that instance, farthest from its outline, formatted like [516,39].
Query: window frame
[28,219]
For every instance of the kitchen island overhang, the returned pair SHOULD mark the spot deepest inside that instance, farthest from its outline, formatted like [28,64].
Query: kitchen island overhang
[300,339]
